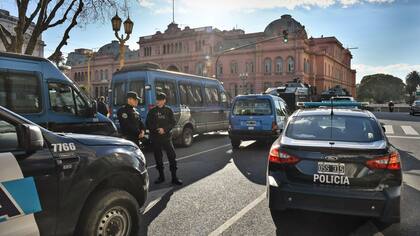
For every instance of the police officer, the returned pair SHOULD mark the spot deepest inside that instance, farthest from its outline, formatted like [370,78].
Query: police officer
[130,123]
[160,121]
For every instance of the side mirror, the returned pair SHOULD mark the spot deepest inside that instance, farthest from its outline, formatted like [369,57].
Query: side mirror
[383,127]
[31,138]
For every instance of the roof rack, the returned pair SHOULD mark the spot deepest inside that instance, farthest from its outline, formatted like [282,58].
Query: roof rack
[332,103]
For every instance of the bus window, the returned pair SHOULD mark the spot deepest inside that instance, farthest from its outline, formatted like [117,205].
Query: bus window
[212,96]
[138,87]
[167,88]
[20,93]
[119,95]
[197,95]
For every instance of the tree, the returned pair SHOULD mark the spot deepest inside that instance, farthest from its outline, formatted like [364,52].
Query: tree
[412,80]
[380,88]
[47,14]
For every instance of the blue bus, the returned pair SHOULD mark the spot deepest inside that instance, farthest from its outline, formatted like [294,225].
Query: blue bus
[36,89]
[200,104]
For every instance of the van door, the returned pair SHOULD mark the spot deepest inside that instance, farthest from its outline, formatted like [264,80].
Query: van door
[224,111]
[28,186]
[212,109]
[68,112]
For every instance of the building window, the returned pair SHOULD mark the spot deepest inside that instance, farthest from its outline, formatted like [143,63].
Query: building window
[306,65]
[290,64]
[186,69]
[106,74]
[102,74]
[249,67]
[220,69]
[199,69]
[279,65]
[233,67]
[267,66]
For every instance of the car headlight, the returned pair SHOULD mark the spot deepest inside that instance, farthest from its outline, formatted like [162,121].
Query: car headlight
[140,155]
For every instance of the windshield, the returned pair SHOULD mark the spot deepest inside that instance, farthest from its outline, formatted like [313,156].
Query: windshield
[338,128]
[252,107]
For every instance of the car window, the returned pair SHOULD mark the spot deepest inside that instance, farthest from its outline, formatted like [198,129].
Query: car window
[252,107]
[20,93]
[118,94]
[8,136]
[336,128]
[279,109]
[138,87]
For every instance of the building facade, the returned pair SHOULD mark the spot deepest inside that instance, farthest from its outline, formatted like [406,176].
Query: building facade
[9,22]
[268,61]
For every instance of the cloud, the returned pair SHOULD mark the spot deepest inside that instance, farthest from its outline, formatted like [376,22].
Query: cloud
[250,5]
[398,70]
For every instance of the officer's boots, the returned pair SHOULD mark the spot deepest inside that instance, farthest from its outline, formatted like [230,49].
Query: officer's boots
[175,180]
[161,178]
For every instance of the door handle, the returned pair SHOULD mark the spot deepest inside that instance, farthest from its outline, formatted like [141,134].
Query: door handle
[67,162]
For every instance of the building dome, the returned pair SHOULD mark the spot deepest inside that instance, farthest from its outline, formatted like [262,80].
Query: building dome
[109,49]
[286,22]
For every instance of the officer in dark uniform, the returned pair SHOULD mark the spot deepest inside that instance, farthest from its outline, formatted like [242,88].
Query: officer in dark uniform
[160,121]
[130,123]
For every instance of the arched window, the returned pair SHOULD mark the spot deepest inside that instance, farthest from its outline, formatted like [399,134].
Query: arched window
[233,67]
[290,64]
[279,65]
[106,74]
[199,69]
[102,74]
[306,67]
[267,65]
[220,69]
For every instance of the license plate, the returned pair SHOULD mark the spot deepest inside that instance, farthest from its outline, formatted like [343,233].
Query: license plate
[251,123]
[331,168]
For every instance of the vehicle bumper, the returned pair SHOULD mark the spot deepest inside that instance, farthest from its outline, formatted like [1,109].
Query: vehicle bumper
[253,135]
[384,204]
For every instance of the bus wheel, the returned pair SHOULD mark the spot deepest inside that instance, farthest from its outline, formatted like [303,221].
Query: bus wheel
[187,137]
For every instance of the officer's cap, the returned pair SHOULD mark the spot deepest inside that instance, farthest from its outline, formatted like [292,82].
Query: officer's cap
[160,96]
[133,95]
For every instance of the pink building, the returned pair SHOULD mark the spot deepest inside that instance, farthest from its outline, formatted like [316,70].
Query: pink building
[321,62]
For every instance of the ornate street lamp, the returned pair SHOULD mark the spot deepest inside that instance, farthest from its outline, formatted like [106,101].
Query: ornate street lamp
[128,29]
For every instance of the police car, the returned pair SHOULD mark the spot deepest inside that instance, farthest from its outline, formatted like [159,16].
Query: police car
[336,161]
[64,184]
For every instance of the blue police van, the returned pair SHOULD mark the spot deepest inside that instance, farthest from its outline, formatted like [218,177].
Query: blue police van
[200,104]
[35,88]
[256,117]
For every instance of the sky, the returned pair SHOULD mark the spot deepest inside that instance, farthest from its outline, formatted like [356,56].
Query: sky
[386,33]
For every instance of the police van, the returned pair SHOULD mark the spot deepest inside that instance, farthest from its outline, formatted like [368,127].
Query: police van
[73,184]
[35,88]
[200,104]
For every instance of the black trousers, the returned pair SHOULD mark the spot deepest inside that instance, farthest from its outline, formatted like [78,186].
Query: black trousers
[166,144]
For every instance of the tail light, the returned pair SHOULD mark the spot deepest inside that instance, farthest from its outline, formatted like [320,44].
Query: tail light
[281,157]
[390,162]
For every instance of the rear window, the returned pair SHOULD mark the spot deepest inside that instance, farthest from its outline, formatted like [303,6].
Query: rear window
[252,107]
[336,128]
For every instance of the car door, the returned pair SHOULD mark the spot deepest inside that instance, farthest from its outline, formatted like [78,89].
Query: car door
[28,185]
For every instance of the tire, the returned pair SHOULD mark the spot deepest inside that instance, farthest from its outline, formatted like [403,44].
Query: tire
[235,143]
[110,209]
[187,137]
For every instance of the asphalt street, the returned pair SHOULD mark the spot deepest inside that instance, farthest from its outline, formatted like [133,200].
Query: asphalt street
[224,192]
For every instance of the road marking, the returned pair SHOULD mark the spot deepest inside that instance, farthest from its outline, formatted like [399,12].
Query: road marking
[247,143]
[389,129]
[412,178]
[158,194]
[404,137]
[194,154]
[238,215]
[408,130]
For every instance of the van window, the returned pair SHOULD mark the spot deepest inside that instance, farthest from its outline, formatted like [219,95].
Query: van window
[223,98]
[212,96]
[119,94]
[20,93]
[64,99]
[197,95]
[138,87]
[183,94]
[252,107]
[167,88]
[279,110]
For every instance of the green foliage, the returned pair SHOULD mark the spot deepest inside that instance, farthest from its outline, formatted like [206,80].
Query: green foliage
[412,80]
[380,88]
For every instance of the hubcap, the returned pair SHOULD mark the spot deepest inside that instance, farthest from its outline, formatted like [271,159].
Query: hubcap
[115,222]
[187,137]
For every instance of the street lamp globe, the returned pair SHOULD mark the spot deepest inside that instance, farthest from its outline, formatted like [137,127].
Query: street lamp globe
[128,26]
[116,22]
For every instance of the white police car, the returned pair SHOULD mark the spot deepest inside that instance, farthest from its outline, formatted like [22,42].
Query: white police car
[64,184]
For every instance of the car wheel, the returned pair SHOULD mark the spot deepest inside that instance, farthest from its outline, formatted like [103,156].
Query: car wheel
[235,143]
[187,137]
[109,212]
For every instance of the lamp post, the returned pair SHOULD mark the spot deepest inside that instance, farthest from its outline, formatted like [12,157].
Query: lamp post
[128,29]
[89,55]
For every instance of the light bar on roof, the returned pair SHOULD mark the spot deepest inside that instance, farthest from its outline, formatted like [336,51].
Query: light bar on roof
[332,104]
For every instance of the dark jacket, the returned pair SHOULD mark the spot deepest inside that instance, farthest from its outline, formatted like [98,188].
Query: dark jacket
[102,108]
[130,122]
[160,118]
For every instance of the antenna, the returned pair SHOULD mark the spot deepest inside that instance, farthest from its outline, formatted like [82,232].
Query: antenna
[173,11]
